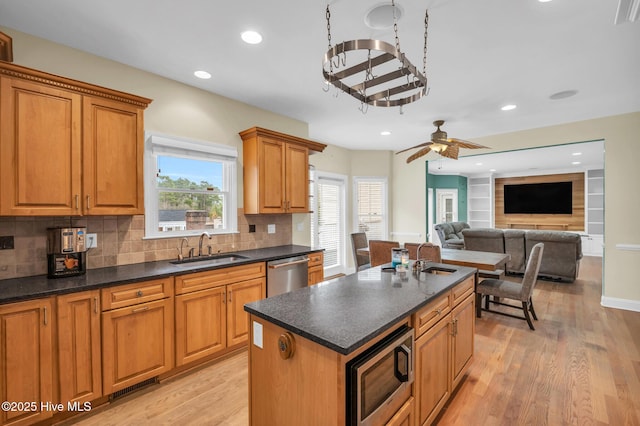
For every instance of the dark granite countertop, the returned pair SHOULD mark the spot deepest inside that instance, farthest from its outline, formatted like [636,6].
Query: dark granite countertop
[345,313]
[18,289]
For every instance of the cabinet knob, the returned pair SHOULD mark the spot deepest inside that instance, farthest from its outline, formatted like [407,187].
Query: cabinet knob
[286,345]
[139,293]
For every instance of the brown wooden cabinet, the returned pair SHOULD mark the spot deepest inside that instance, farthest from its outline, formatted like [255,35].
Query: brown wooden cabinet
[210,314]
[316,268]
[26,360]
[137,333]
[79,347]
[404,416]
[444,348]
[276,171]
[67,147]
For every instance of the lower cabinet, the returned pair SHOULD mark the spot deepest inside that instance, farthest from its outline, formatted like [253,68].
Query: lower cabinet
[210,314]
[79,347]
[404,416]
[443,348]
[137,338]
[316,268]
[26,360]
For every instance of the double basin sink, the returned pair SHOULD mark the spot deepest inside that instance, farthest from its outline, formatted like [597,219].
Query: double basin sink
[216,259]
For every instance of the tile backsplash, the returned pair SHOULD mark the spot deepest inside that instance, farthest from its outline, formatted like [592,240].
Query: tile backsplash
[121,240]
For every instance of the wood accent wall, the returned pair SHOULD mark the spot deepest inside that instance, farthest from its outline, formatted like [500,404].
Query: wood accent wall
[556,222]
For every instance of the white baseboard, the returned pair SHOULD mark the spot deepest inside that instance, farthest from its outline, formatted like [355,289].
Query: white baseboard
[626,304]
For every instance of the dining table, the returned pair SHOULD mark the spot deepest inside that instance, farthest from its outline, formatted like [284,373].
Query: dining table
[483,260]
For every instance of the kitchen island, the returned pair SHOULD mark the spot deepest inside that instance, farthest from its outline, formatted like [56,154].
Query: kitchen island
[302,343]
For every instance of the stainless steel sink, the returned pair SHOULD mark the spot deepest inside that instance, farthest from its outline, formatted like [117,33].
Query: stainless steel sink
[437,270]
[211,260]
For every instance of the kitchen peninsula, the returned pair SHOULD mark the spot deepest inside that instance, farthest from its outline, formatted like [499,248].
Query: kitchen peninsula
[304,344]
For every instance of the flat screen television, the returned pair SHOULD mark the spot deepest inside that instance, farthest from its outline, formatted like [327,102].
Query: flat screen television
[539,198]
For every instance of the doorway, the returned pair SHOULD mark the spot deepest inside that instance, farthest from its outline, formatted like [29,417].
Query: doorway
[446,205]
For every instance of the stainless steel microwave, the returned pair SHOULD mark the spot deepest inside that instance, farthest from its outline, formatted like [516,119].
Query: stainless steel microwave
[379,380]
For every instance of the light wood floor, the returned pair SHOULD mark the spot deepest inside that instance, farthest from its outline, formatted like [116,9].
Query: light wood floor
[581,366]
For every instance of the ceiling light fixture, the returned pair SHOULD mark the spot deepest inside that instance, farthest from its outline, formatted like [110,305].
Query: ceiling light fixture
[202,74]
[508,107]
[575,163]
[402,83]
[251,37]
[385,133]
[492,170]
[478,164]
[575,154]
[544,1]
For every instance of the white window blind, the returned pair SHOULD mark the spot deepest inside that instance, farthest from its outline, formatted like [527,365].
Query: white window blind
[371,201]
[328,221]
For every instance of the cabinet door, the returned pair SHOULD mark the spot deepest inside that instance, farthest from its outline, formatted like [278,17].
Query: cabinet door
[79,350]
[463,322]
[237,318]
[404,416]
[40,149]
[200,324]
[316,275]
[26,359]
[297,179]
[432,378]
[113,147]
[137,343]
[272,176]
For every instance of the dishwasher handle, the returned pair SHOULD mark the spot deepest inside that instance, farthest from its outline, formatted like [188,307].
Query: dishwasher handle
[282,265]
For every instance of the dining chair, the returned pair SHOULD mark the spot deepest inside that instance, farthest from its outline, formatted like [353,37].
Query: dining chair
[428,251]
[359,241]
[380,251]
[522,292]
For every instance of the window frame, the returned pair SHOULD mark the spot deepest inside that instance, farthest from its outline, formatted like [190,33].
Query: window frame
[385,203]
[165,145]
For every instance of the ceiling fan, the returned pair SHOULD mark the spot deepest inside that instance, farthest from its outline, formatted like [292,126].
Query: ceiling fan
[447,147]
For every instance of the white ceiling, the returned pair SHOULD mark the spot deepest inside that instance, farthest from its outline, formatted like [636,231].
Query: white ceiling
[567,158]
[481,55]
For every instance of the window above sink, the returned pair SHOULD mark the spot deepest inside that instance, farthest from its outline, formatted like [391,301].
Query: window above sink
[190,187]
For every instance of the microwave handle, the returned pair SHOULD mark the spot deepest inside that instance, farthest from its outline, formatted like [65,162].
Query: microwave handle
[406,352]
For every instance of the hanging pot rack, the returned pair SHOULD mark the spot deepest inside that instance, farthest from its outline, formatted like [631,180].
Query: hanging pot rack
[412,87]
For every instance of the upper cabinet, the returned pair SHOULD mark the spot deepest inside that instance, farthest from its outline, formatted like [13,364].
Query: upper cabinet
[276,171]
[68,148]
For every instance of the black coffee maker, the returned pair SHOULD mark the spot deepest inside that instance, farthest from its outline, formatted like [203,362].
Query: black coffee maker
[66,251]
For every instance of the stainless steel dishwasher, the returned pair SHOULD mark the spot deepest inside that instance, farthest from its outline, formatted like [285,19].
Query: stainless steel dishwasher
[284,275]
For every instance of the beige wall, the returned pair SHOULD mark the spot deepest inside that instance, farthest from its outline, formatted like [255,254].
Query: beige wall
[622,199]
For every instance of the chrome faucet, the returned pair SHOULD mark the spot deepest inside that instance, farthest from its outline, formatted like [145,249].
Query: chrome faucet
[184,240]
[204,234]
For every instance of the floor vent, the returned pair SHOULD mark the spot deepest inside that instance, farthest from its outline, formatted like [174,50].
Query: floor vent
[133,388]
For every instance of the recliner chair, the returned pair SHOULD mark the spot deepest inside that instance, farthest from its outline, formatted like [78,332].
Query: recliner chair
[450,234]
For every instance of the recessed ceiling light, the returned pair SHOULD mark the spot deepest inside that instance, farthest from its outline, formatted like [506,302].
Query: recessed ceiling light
[202,74]
[575,163]
[478,164]
[508,107]
[385,133]
[251,37]
[544,1]
[575,154]
[563,95]
[492,170]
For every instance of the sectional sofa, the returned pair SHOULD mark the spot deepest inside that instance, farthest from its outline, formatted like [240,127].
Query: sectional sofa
[560,259]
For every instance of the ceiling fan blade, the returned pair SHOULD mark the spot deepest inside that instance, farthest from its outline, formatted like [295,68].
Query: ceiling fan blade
[416,155]
[451,152]
[466,144]
[416,146]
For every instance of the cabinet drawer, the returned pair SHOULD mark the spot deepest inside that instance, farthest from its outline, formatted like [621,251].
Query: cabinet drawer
[315,259]
[462,290]
[217,277]
[133,294]
[428,316]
